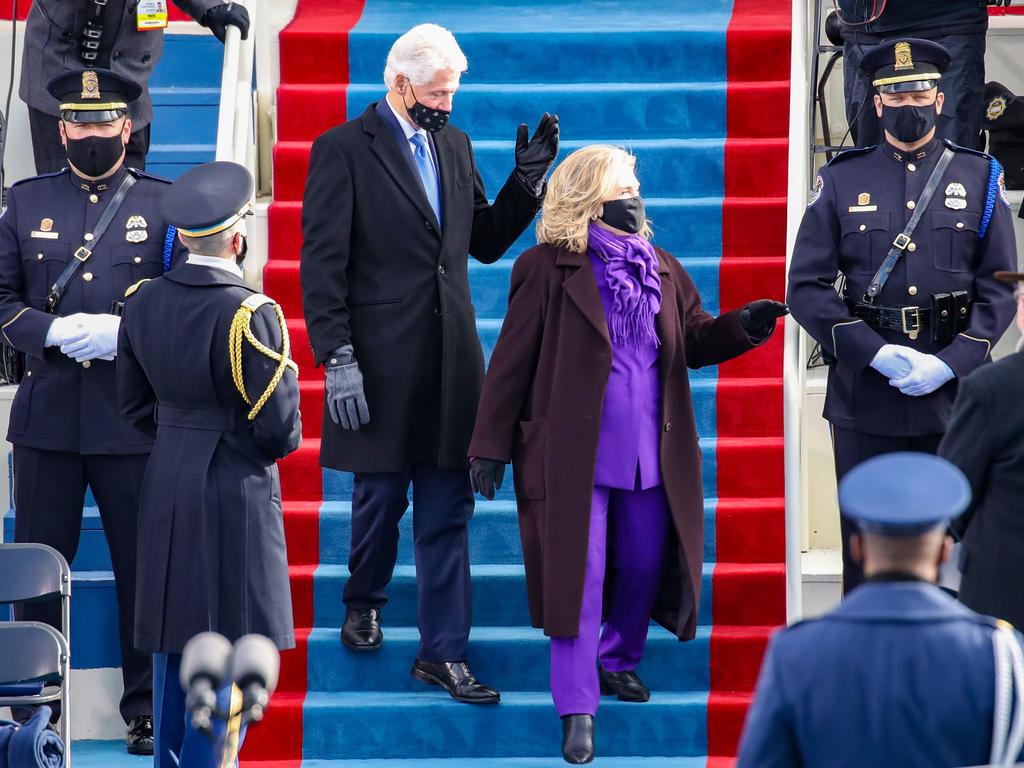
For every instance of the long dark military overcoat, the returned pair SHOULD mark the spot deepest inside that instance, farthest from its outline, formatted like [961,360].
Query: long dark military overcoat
[211,535]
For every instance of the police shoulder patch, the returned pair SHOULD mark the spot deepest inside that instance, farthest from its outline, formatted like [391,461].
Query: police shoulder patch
[1002,189]
[135,287]
[819,185]
[848,154]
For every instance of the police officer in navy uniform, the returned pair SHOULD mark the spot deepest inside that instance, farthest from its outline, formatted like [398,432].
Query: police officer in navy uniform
[900,674]
[204,367]
[65,424]
[896,350]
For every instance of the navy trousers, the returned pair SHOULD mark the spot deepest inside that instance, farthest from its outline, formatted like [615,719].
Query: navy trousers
[49,489]
[177,742]
[442,506]
[963,85]
[851,448]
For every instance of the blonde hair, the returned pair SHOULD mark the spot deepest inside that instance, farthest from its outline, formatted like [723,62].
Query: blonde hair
[576,190]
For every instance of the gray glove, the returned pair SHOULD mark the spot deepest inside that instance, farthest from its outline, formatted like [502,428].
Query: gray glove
[345,397]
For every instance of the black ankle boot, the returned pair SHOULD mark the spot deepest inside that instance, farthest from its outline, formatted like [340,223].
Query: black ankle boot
[578,739]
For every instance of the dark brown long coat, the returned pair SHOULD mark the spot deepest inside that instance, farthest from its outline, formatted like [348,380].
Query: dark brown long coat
[541,409]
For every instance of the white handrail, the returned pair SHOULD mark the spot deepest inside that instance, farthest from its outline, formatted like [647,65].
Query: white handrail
[792,364]
[235,125]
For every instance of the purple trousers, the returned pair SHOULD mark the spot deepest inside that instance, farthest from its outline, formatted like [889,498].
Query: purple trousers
[640,521]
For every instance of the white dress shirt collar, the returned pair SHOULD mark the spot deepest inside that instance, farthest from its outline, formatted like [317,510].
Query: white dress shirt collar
[214,261]
[407,127]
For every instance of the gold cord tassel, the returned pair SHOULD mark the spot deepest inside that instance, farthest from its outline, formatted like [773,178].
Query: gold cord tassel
[241,328]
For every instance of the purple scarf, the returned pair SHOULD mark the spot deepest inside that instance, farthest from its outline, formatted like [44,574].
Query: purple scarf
[632,275]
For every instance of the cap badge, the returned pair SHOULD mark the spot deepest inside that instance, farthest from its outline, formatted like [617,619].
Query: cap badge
[904,58]
[46,225]
[136,235]
[996,108]
[864,198]
[90,85]
[136,222]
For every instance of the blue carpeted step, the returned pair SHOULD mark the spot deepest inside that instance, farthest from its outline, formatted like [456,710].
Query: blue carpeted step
[367,724]
[499,596]
[94,634]
[493,533]
[607,41]
[171,160]
[489,283]
[506,762]
[601,111]
[189,114]
[510,658]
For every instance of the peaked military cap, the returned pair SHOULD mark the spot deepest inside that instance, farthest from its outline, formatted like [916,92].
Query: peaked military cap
[906,64]
[903,494]
[209,198]
[93,95]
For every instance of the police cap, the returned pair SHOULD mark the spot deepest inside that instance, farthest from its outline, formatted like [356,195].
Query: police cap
[903,494]
[907,64]
[93,95]
[209,198]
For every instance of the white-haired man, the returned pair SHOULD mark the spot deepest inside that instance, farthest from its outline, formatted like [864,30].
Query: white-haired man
[393,205]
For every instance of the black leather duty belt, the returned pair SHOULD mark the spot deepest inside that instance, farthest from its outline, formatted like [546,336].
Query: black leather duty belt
[948,315]
[908,320]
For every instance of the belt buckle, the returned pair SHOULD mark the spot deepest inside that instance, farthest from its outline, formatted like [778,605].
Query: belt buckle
[915,315]
[902,241]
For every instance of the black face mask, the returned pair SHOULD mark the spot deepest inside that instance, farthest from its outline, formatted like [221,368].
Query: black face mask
[95,156]
[909,124]
[430,120]
[626,214]
[240,257]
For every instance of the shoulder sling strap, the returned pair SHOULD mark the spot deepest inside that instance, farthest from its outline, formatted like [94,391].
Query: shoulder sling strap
[899,245]
[85,250]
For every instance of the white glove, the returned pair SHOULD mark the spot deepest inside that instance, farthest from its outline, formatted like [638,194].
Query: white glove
[64,330]
[100,340]
[928,375]
[893,361]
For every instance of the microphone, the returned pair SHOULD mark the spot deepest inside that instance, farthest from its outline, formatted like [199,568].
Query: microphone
[204,669]
[255,665]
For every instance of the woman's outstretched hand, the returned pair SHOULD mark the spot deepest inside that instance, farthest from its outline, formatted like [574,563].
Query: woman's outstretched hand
[758,317]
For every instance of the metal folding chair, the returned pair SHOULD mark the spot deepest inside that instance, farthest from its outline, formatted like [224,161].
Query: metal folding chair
[32,653]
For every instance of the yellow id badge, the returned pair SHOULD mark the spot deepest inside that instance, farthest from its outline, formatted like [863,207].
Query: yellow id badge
[152,14]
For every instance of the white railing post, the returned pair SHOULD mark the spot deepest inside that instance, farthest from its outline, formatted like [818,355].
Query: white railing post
[228,93]
[793,368]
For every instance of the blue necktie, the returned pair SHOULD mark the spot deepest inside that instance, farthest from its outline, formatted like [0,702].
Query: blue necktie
[427,174]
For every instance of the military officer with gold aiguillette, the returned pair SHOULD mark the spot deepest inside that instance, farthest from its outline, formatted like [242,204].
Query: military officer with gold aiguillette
[915,228]
[70,245]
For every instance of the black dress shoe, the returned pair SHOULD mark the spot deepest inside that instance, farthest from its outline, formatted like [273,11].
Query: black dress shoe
[457,678]
[578,739]
[626,685]
[362,629]
[140,735]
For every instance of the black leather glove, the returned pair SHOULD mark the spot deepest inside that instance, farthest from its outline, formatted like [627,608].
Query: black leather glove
[217,18]
[486,476]
[534,157]
[758,317]
[345,397]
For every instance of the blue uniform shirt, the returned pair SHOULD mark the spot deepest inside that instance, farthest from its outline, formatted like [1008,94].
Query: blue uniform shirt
[861,201]
[62,405]
[899,675]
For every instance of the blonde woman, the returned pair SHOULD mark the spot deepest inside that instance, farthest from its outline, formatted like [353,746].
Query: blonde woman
[587,396]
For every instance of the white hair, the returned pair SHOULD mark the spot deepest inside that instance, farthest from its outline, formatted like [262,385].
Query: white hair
[216,244]
[421,53]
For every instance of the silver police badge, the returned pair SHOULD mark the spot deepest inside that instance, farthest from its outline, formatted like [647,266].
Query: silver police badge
[956,203]
[136,235]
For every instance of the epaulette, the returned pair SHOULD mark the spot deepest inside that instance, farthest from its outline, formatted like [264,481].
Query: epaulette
[846,154]
[968,150]
[241,328]
[61,172]
[134,287]
[151,176]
